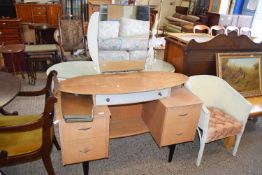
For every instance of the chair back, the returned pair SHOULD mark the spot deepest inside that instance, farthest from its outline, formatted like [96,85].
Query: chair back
[232,28]
[245,31]
[201,28]
[71,32]
[218,30]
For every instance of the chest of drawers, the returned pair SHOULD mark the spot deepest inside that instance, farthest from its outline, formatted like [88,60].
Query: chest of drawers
[10,31]
[39,13]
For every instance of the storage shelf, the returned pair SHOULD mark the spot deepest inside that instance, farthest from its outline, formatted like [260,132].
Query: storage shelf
[126,127]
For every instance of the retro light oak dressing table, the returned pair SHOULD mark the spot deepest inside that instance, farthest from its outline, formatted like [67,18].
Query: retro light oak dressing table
[124,104]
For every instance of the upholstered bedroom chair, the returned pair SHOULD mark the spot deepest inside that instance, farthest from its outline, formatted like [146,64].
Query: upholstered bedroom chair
[224,113]
[72,40]
[27,138]
[204,28]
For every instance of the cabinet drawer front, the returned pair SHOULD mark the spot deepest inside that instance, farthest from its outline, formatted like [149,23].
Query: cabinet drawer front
[184,114]
[10,31]
[85,150]
[115,99]
[39,10]
[178,133]
[82,130]
[9,24]
[40,19]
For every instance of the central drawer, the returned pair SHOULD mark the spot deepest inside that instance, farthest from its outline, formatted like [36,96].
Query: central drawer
[136,97]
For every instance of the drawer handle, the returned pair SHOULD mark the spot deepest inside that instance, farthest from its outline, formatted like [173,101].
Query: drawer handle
[179,134]
[3,23]
[84,129]
[160,94]
[84,151]
[182,115]
[107,99]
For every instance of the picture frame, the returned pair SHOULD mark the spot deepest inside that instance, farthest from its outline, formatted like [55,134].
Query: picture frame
[242,71]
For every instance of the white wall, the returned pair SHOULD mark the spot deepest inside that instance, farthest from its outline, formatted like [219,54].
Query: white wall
[257,21]
[224,7]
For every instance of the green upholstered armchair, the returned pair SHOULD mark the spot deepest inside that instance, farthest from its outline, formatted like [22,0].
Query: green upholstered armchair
[29,137]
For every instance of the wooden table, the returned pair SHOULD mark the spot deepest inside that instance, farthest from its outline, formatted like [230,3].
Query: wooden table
[9,88]
[37,53]
[14,58]
[134,103]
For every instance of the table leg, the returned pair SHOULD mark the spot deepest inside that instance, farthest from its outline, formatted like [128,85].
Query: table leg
[85,166]
[171,152]
[4,112]
[229,142]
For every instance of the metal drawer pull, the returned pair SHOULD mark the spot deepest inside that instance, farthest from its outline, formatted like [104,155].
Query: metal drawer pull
[179,134]
[84,129]
[182,115]
[107,99]
[84,151]
[3,23]
[159,93]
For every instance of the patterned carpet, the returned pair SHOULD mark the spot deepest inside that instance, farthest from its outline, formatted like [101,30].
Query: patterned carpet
[139,155]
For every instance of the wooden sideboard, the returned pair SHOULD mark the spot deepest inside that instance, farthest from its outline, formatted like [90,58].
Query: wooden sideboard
[38,13]
[10,31]
[195,54]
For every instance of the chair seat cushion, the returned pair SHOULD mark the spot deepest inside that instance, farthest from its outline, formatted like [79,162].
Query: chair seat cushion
[18,143]
[222,125]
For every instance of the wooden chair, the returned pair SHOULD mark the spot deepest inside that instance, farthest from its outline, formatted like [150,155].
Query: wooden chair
[217,29]
[72,38]
[223,114]
[201,28]
[232,28]
[27,138]
[47,91]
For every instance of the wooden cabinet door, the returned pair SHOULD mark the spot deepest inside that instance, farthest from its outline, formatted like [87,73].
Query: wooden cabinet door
[52,14]
[24,12]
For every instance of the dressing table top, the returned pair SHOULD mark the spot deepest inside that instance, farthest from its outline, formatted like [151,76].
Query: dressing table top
[123,83]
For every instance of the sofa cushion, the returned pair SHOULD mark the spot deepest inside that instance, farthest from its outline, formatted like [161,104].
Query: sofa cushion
[132,27]
[108,29]
[222,125]
[134,43]
[113,55]
[109,44]
[138,55]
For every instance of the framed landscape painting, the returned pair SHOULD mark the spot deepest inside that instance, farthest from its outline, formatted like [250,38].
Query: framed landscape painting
[242,71]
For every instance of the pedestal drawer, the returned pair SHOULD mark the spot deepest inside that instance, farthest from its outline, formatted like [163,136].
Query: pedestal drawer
[84,130]
[84,150]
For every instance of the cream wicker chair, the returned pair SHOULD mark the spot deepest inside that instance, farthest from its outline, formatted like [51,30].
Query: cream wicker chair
[224,113]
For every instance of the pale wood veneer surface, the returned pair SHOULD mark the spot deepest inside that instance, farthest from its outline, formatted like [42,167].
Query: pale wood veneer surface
[122,83]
